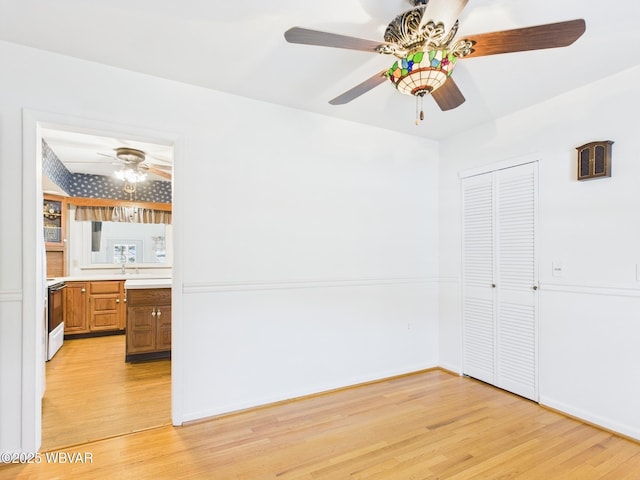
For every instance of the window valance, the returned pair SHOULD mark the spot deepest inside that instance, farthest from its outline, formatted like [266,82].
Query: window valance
[121,214]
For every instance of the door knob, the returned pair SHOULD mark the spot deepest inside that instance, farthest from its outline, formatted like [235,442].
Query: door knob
[493,285]
[535,287]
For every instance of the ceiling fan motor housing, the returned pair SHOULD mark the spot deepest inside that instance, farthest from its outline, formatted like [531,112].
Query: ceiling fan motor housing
[130,155]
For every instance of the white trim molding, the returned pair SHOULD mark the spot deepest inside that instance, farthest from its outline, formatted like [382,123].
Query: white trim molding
[492,167]
[216,287]
[591,289]
[452,279]
[590,417]
[10,296]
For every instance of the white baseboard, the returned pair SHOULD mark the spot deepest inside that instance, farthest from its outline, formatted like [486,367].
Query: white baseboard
[301,394]
[457,369]
[590,417]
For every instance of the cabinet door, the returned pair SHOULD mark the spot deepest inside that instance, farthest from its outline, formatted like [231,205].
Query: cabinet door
[106,306]
[163,327]
[54,208]
[75,308]
[122,319]
[141,329]
[105,312]
[53,220]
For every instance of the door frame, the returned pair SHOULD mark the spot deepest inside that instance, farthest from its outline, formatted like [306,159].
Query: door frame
[534,158]
[33,274]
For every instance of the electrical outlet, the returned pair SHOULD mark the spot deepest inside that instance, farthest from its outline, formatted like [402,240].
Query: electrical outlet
[556,269]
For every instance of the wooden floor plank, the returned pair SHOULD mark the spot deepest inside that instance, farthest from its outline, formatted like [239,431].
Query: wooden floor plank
[430,425]
[91,393]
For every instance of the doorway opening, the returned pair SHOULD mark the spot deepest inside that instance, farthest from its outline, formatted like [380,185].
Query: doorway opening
[89,391]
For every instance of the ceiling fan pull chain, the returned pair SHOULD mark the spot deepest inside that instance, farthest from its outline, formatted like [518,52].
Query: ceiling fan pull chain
[419,108]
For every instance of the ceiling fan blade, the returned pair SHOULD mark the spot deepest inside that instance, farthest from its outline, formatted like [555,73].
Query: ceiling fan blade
[166,168]
[551,35]
[159,172]
[324,39]
[445,11]
[359,89]
[448,96]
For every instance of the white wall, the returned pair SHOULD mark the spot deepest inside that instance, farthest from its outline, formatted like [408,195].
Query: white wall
[588,316]
[305,247]
[317,244]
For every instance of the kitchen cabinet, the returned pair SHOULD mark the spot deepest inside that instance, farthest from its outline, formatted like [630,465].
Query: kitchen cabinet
[94,307]
[54,231]
[106,306]
[75,299]
[148,324]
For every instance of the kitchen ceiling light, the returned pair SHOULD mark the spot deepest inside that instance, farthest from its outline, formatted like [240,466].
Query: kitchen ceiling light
[130,174]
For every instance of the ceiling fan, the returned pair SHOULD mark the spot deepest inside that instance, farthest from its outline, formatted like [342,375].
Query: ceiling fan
[422,39]
[133,169]
[134,166]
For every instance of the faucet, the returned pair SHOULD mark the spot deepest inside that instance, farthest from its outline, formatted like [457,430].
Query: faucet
[122,270]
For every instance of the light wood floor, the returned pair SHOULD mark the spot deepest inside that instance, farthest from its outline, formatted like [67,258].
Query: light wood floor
[430,425]
[91,393]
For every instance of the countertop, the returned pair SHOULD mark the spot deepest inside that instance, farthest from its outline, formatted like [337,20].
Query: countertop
[139,283]
[132,280]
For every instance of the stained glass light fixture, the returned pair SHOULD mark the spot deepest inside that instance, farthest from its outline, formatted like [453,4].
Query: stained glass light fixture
[421,73]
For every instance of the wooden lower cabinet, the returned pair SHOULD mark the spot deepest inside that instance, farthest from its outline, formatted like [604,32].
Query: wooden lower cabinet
[148,324]
[106,306]
[76,301]
[94,307]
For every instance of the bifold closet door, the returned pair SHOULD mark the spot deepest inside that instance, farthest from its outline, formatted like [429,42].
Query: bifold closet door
[478,261]
[500,279]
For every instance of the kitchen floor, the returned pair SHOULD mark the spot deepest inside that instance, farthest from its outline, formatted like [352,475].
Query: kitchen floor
[91,393]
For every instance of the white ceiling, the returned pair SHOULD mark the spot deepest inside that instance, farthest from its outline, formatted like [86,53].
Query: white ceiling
[88,153]
[213,44]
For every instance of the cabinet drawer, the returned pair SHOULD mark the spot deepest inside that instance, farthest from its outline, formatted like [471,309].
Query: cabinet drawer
[105,287]
[151,296]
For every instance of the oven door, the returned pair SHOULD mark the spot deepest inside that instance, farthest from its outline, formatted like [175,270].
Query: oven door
[55,320]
